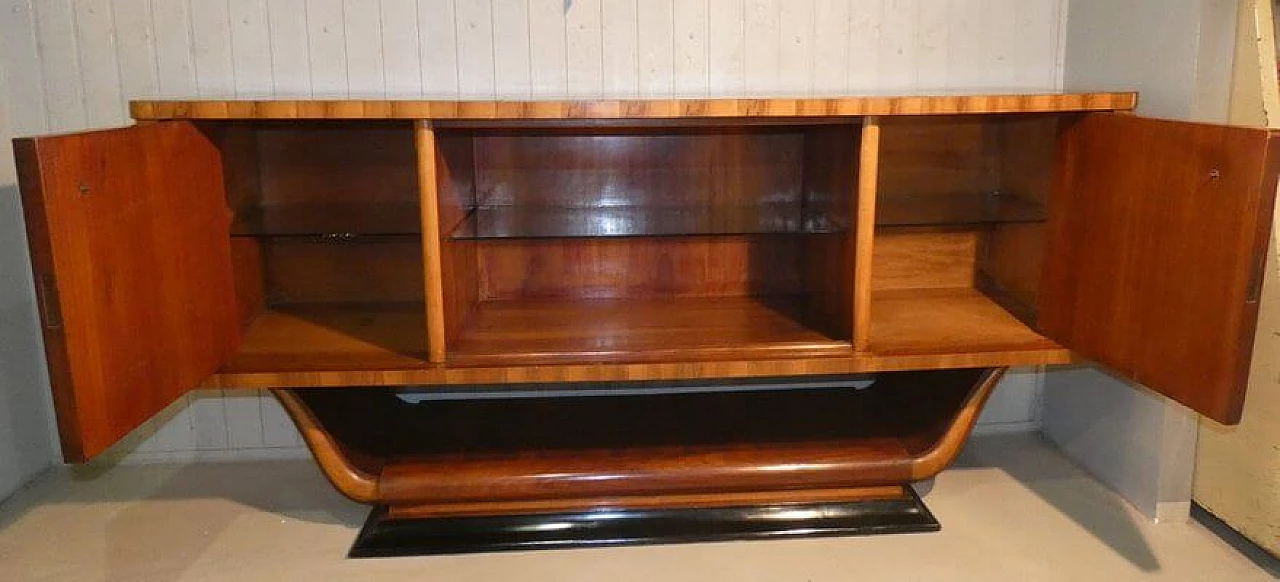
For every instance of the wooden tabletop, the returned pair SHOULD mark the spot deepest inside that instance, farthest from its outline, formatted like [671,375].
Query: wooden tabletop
[633,109]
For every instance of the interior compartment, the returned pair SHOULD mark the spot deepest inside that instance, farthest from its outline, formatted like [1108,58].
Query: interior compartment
[638,243]
[326,244]
[381,448]
[960,232]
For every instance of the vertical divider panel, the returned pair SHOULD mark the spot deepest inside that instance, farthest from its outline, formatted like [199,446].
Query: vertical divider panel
[830,186]
[865,231]
[428,188]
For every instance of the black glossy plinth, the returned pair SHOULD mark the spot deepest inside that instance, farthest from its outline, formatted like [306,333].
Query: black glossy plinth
[383,537]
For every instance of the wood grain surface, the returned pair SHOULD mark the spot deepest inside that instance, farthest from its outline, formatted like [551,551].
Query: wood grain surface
[130,239]
[466,455]
[1156,244]
[581,330]
[864,231]
[633,502]
[638,109]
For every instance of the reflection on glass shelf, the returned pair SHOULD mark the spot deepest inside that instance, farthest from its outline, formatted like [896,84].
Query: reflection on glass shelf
[638,221]
[944,209]
[329,221]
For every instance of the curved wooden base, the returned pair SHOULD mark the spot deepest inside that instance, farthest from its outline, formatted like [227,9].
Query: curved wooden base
[453,459]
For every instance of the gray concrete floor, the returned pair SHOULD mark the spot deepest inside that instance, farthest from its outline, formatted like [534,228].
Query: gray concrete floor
[1012,509]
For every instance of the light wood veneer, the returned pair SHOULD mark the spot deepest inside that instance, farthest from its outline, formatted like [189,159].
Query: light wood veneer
[639,109]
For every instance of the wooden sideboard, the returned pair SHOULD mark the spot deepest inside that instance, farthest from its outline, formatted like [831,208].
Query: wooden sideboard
[338,251]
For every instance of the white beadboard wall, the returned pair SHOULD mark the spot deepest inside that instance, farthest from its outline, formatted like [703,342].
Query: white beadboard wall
[73,64]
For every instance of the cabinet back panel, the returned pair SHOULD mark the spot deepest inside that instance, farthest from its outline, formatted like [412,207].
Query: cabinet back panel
[933,156]
[647,267]
[943,170]
[1010,261]
[315,163]
[924,259]
[937,156]
[1012,254]
[305,271]
[1028,149]
[967,170]
[680,167]
[1001,261]
[455,177]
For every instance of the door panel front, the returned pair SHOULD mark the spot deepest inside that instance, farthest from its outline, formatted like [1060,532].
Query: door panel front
[1157,237]
[130,245]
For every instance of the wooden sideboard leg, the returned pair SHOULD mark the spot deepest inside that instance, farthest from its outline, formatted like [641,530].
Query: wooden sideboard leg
[387,536]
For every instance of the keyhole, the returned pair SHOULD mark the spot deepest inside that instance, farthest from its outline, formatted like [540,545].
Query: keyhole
[1214,174]
[84,189]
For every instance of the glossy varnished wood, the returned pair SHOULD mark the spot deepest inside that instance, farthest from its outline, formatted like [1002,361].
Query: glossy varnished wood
[646,109]
[1156,246]
[530,331]
[1012,255]
[129,233]
[455,175]
[957,209]
[463,455]
[947,321]
[939,156]
[644,268]
[830,187]
[337,337]
[384,535]
[320,178]
[670,168]
[429,182]
[371,375]
[315,270]
[864,231]
[334,220]
[669,501]
[516,222]
[908,258]
[352,472]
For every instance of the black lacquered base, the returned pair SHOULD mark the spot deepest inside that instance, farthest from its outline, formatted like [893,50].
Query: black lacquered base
[383,537]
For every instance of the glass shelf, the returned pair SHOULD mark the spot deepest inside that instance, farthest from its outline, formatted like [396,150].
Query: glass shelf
[332,222]
[344,222]
[499,222]
[955,209]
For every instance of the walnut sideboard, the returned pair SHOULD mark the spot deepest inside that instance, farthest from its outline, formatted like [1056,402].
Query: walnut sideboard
[680,257]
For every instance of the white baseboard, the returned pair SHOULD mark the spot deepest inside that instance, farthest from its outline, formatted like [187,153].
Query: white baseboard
[985,428]
[216,455]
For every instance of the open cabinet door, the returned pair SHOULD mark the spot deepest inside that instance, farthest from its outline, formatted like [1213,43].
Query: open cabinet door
[130,246]
[1157,239]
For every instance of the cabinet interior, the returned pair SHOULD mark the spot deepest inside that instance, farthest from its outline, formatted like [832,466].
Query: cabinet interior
[624,243]
[326,244]
[617,242]
[960,233]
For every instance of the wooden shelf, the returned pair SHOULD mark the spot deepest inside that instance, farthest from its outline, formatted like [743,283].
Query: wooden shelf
[333,337]
[498,222]
[948,209]
[329,220]
[627,330]
[946,321]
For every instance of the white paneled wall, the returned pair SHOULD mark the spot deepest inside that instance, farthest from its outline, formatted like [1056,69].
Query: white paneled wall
[73,64]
